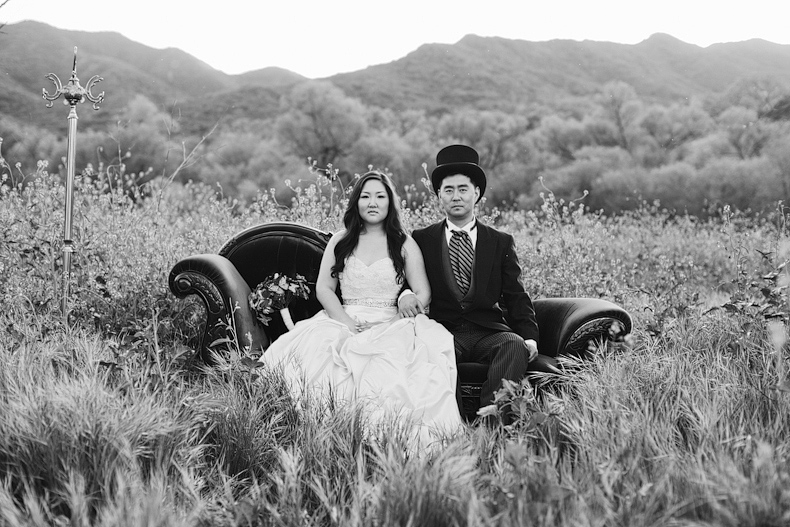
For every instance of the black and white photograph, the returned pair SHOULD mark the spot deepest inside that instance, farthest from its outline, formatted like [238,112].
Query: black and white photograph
[415,264]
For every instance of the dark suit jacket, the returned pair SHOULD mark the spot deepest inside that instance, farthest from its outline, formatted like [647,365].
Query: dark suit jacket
[495,282]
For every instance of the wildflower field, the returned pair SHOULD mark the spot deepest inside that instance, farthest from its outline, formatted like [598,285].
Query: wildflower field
[109,419]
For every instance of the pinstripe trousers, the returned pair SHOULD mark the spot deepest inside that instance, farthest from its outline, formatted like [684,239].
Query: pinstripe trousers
[504,351]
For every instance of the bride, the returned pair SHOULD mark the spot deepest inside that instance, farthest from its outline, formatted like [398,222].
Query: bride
[359,347]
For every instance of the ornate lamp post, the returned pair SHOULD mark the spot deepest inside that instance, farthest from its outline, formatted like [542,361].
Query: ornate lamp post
[73,94]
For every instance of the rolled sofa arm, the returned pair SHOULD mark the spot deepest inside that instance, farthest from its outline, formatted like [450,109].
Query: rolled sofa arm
[567,325]
[223,290]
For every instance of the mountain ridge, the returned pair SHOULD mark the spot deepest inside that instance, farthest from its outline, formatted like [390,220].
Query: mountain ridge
[479,72]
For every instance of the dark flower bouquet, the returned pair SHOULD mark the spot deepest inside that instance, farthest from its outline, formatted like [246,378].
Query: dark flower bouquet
[274,294]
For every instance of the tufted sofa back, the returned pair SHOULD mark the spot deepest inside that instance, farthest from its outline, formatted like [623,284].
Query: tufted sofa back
[287,248]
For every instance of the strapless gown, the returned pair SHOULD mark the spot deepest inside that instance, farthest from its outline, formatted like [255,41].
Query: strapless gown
[403,368]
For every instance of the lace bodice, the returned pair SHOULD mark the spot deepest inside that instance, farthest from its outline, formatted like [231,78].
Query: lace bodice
[373,285]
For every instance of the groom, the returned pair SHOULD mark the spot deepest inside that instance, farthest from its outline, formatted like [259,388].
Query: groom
[473,270]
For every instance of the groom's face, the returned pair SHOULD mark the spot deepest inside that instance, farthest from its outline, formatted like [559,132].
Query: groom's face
[458,196]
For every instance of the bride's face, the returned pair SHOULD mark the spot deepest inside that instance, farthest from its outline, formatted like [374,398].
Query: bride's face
[374,202]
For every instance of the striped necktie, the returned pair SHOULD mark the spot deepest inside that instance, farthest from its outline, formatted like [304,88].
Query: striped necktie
[461,257]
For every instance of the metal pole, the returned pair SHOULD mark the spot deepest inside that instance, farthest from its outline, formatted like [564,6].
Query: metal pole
[73,94]
[68,243]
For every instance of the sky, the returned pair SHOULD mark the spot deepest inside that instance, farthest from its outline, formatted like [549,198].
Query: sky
[319,38]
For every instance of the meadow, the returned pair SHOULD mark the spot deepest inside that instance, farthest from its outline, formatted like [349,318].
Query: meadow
[107,418]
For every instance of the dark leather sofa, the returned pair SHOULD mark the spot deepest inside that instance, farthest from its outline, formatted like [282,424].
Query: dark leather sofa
[224,280]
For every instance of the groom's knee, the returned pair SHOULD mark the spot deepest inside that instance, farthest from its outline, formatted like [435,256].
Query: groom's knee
[511,349]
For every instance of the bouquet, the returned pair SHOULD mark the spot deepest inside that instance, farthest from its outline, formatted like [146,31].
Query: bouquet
[274,294]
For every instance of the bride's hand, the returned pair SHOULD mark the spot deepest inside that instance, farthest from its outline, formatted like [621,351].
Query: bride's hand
[410,306]
[353,325]
[362,326]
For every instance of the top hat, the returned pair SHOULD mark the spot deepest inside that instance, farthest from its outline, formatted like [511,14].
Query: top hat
[458,159]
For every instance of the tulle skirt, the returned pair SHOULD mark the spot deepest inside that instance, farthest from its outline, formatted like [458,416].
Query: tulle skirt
[403,368]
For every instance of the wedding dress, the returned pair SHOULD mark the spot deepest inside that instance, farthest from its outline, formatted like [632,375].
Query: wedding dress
[401,367]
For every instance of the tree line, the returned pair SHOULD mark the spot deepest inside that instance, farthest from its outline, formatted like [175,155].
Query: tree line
[615,148]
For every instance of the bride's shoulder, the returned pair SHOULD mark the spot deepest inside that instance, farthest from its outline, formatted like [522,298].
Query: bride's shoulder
[410,246]
[336,237]
[329,250]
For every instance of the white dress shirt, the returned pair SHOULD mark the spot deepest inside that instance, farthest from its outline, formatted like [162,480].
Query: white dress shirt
[469,228]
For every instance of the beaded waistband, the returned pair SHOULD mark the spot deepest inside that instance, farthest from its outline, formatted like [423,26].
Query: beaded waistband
[369,302]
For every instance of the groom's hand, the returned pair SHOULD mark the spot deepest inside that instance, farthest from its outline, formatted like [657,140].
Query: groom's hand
[409,306]
[532,346]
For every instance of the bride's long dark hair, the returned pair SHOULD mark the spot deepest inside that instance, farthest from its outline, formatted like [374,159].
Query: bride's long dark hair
[353,223]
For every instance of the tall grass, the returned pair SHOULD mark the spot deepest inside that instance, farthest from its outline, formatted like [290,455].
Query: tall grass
[107,420]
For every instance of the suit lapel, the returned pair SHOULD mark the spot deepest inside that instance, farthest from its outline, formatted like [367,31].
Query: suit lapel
[484,257]
[434,254]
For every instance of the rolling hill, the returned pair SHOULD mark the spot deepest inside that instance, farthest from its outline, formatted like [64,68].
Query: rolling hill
[481,72]
[500,73]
